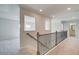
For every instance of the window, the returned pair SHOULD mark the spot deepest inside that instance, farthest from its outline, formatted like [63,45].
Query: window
[29,23]
[47,24]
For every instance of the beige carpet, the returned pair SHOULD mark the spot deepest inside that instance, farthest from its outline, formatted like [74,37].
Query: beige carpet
[67,47]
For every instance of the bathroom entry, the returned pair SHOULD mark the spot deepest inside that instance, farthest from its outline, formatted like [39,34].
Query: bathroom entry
[72,30]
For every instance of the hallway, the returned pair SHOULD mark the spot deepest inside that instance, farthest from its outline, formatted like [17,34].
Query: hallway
[67,47]
[27,29]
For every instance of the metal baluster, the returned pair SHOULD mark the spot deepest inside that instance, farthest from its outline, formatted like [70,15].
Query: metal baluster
[56,39]
[38,52]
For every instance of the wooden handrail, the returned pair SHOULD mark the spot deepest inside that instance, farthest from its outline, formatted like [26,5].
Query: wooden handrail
[31,36]
[37,40]
[45,34]
[49,33]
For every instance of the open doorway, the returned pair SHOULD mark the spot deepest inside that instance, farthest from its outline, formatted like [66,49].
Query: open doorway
[72,29]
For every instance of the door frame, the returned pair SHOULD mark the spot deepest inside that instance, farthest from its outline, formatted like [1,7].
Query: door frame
[69,29]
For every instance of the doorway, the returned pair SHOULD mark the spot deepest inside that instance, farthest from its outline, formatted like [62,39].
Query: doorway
[72,28]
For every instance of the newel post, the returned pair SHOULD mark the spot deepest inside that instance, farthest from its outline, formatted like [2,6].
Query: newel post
[56,39]
[38,52]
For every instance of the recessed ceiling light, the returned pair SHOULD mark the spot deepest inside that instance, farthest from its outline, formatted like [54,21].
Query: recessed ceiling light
[68,9]
[41,10]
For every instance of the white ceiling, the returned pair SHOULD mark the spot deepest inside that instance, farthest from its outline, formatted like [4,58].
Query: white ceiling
[58,10]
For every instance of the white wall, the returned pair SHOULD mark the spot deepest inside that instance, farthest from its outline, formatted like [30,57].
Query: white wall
[9,36]
[66,26]
[9,29]
[77,29]
[56,25]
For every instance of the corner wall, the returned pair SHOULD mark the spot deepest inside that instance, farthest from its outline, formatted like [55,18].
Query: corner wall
[25,40]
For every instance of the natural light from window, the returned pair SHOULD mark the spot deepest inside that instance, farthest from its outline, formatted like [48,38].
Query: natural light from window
[29,23]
